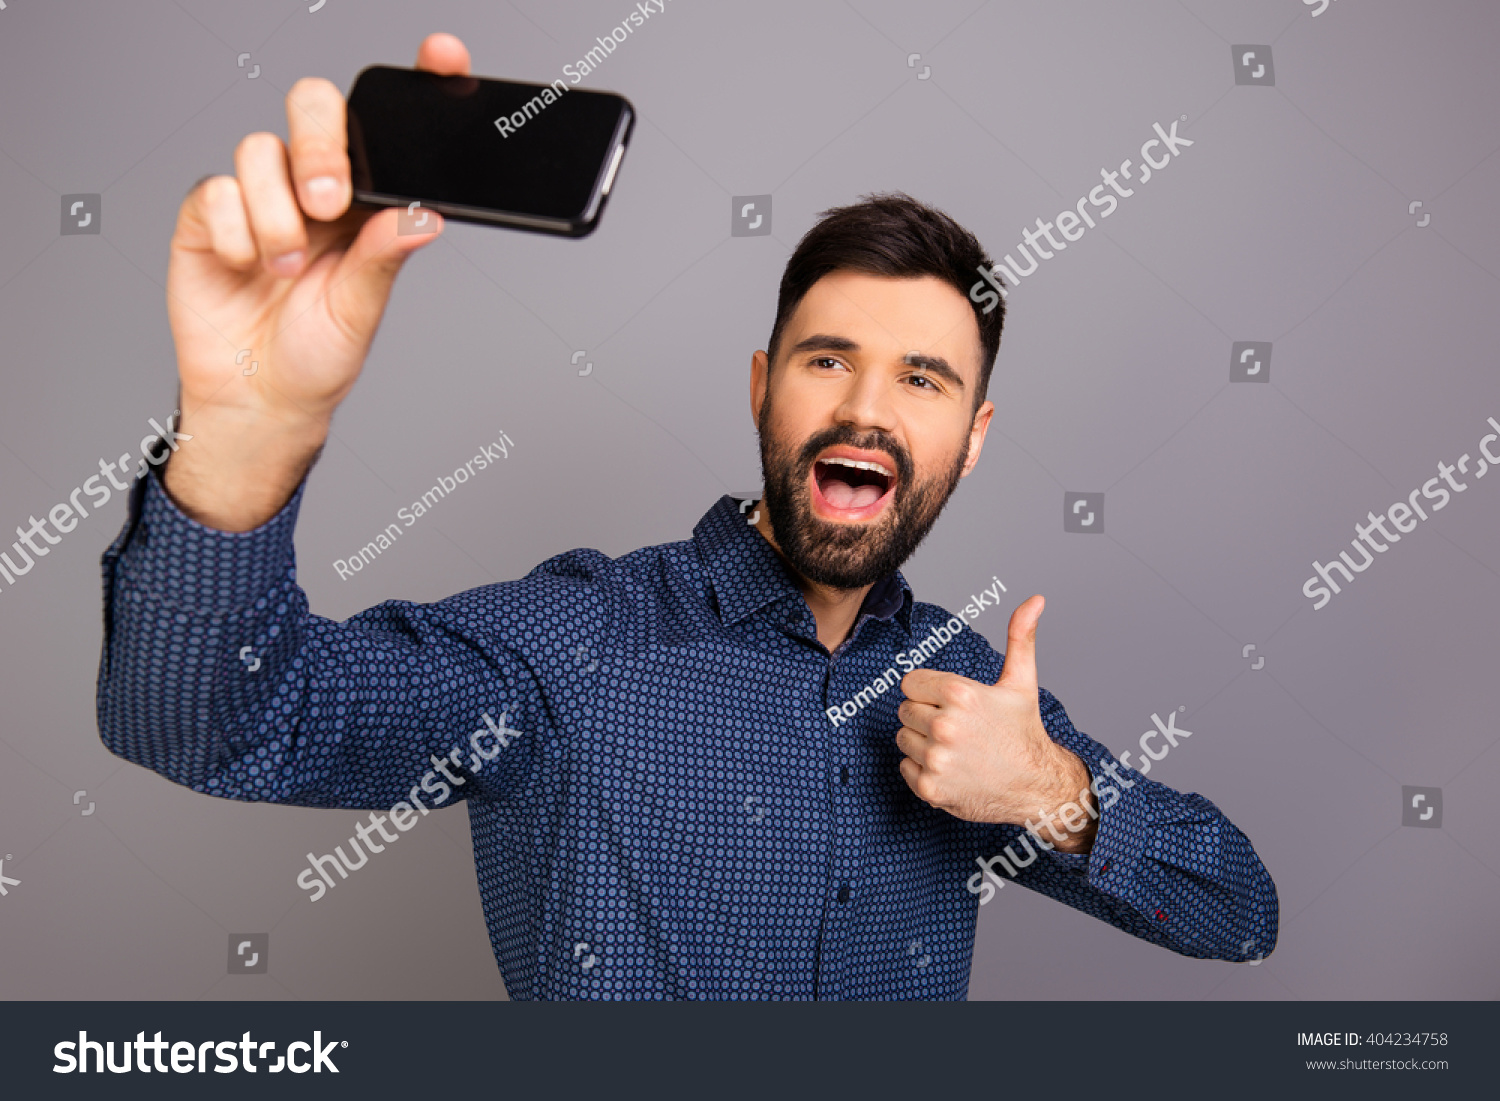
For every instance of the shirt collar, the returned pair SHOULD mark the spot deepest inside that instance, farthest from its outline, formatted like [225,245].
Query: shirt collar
[746,574]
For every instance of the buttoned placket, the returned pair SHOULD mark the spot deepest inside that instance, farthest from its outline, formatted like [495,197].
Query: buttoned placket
[786,610]
[847,822]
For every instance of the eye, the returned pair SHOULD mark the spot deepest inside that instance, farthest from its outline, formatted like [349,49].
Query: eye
[818,361]
[926,382]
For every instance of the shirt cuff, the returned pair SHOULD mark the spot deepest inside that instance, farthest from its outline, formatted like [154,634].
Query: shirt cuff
[1125,825]
[1109,864]
[164,556]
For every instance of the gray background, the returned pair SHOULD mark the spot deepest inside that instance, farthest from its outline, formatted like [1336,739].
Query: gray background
[1286,221]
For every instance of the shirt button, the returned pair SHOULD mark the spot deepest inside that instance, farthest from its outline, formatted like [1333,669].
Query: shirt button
[844,774]
[844,893]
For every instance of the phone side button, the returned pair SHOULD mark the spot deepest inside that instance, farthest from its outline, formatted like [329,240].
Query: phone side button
[614,166]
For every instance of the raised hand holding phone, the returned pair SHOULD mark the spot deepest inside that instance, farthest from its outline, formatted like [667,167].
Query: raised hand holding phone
[272,259]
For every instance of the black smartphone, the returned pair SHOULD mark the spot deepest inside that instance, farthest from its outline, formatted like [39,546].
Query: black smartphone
[538,157]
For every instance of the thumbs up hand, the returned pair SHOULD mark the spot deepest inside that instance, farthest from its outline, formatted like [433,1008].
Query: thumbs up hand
[980,751]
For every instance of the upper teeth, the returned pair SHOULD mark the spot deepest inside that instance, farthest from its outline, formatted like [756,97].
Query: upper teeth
[860,465]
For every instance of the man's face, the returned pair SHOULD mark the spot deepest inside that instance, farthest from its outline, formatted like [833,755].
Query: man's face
[867,422]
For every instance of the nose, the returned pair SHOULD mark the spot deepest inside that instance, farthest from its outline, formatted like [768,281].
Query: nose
[867,402]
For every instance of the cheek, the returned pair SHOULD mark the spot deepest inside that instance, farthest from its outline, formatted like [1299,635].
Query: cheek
[801,399]
[933,463]
[793,419]
[776,431]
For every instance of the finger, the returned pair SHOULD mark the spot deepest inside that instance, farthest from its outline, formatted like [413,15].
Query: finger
[275,217]
[361,284]
[445,54]
[911,772]
[913,744]
[925,685]
[921,783]
[212,222]
[918,716]
[222,208]
[317,142]
[1019,670]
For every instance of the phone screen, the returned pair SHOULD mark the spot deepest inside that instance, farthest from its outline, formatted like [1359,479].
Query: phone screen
[485,150]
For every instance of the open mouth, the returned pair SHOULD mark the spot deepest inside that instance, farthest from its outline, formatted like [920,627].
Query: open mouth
[846,487]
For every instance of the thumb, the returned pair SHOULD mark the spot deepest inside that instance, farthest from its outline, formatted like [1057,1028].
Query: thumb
[361,284]
[1019,670]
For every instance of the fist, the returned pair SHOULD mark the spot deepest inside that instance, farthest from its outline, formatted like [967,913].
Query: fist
[980,751]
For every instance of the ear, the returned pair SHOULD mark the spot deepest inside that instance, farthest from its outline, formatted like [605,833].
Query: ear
[760,374]
[977,432]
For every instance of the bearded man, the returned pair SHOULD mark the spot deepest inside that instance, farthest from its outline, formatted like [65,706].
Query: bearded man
[744,765]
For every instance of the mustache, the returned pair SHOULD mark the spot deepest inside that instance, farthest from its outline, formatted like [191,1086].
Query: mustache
[873,440]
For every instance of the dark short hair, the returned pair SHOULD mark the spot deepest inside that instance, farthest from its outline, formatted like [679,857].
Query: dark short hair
[891,234]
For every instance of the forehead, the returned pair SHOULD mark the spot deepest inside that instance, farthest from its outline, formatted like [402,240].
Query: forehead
[889,317]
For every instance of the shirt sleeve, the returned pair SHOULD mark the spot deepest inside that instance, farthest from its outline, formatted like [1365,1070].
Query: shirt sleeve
[215,675]
[1165,866]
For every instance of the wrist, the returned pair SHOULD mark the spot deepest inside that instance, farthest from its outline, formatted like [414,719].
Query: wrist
[242,465]
[1069,813]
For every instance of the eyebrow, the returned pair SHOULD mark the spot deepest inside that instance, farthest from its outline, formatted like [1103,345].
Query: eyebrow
[826,342]
[938,366]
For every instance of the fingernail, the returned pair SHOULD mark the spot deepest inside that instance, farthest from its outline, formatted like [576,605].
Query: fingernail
[324,187]
[287,263]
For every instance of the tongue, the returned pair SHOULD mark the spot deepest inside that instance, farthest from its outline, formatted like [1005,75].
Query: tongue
[843,495]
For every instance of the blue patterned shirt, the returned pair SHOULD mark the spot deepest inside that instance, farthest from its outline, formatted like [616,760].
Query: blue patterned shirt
[661,804]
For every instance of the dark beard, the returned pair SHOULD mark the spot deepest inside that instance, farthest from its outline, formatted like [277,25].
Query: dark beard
[848,556]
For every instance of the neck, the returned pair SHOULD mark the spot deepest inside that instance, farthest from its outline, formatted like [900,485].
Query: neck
[834,610]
